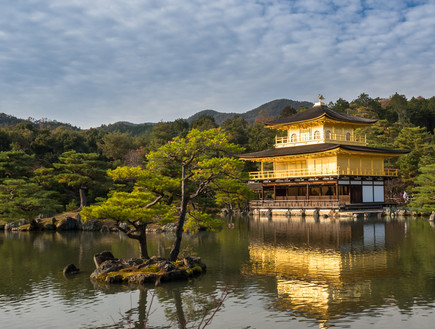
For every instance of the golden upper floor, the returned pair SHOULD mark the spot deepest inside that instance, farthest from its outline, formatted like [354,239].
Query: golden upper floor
[320,142]
[320,124]
[297,137]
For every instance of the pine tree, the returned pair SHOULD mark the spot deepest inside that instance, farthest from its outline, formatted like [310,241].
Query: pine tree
[20,198]
[424,192]
[20,195]
[196,162]
[80,171]
[137,208]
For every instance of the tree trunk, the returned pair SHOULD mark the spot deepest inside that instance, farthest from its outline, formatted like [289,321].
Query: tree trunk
[142,238]
[82,193]
[183,210]
[179,233]
[141,308]
[182,322]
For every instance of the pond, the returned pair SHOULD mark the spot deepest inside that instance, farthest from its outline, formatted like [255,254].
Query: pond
[280,273]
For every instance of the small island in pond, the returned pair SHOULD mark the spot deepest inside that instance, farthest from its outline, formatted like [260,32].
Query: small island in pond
[140,271]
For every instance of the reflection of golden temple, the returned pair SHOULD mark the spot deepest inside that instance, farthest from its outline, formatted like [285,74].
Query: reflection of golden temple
[319,284]
[317,298]
[315,265]
[299,262]
[321,270]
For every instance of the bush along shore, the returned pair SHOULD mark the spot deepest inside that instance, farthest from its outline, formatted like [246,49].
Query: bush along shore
[71,221]
[155,270]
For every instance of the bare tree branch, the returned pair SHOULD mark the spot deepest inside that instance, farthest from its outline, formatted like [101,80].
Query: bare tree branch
[149,205]
[188,162]
[129,233]
[202,186]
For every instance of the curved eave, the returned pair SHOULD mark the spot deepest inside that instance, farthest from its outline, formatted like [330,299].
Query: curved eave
[364,150]
[287,152]
[385,155]
[294,123]
[316,119]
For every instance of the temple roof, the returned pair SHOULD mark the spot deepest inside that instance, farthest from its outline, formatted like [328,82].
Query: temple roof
[316,148]
[318,111]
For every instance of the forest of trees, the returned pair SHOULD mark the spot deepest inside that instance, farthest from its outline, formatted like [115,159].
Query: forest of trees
[47,168]
[407,125]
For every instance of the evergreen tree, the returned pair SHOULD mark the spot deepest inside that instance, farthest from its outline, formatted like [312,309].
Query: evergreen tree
[20,198]
[163,132]
[22,136]
[261,138]
[204,122]
[137,208]
[67,139]
[92,137]
[424,192]
[15,164]
[417,140]
[237,128]
[421,112]
[116,145]
[287,111]
[5,140]
[44,147]
[341,105]
[365,106]
[140,198]
[399,106]
[196,162]
[81,171]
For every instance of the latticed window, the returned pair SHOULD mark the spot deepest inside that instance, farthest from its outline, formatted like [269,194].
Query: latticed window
[317,134]
[293,138]
[328,134]
[348,136]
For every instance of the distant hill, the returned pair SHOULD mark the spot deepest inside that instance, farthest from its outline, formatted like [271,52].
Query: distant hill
[266,111]
[127,127]
[9,121]
[219,117]
[263,112]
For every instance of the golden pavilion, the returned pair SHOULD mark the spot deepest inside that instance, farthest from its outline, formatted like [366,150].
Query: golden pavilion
[321,163]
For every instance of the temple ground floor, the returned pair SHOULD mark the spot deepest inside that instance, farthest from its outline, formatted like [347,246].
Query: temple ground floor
[337,194]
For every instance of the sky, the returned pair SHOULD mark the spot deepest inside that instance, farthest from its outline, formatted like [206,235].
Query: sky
[98,62]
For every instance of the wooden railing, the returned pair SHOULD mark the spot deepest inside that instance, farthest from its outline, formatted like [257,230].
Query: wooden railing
[304,140]
[295,204]
[369,172]
[343,198]
[296,173]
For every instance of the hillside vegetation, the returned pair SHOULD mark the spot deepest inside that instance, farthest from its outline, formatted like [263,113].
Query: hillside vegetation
[46,162]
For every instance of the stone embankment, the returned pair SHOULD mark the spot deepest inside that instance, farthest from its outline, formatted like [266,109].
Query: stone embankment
[141,271]
[388,213]
[72,221]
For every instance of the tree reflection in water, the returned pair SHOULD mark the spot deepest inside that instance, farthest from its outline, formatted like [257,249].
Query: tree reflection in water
[187,311]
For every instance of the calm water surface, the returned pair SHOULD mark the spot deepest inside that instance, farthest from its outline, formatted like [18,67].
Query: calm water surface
[284,273]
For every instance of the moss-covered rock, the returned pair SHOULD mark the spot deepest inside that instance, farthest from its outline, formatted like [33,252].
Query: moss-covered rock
[139,271]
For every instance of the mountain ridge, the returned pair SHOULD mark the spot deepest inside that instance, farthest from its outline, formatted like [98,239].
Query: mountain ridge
[263,112]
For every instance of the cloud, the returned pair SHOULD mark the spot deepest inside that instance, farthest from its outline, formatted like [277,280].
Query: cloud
[94,62]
